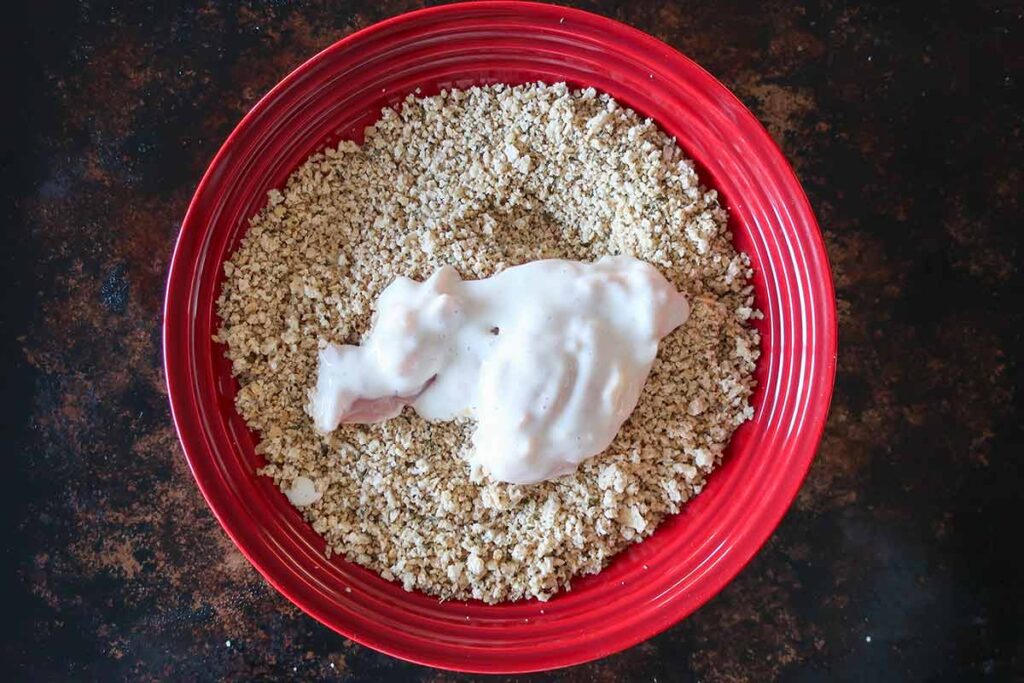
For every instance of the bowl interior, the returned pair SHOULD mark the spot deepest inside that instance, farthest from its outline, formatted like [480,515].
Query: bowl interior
[693,554]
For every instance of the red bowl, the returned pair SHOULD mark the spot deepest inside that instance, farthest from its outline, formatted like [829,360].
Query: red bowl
[691,556]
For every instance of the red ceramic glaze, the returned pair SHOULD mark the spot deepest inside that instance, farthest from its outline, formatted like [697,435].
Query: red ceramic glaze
[693,555]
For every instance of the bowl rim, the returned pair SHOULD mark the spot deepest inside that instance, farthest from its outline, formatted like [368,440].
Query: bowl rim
[180,396]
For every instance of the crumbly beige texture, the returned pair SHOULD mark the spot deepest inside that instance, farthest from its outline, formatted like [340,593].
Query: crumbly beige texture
[484,179]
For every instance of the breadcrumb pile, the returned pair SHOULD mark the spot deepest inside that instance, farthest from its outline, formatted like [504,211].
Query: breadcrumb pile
[484,179]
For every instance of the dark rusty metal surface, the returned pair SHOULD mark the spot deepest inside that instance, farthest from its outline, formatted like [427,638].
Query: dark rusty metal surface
[899,560]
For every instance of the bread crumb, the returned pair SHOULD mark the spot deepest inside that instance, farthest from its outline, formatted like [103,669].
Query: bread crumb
[483,179]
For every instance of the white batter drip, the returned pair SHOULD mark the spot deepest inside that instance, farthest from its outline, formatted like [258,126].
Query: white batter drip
[548,357]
